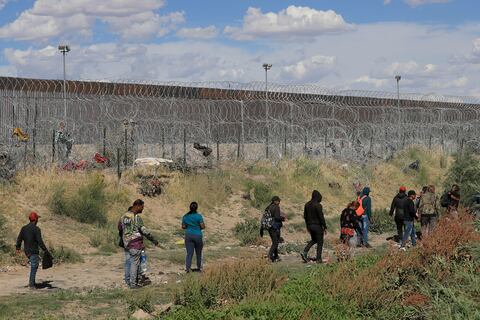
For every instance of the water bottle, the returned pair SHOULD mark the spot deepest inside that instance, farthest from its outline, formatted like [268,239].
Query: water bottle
[143,262]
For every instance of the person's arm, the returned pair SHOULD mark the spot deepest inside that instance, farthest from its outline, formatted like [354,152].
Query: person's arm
[367,202]
[145,232]
[393,206]
[18,245]
[38,236]
[184,225]
[321,218]
[411,209]
[277,216]
[201,223]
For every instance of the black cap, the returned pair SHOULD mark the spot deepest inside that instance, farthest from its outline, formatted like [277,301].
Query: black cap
[275,198]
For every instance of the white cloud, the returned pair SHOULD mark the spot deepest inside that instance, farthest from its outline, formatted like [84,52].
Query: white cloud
[209,32]
[367,80]
[312,68]
[60,18]
[416,3]
[291,22]
[3,3]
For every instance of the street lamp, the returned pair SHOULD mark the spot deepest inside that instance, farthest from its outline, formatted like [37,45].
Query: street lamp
[266,66]
[64,49]
[398,78]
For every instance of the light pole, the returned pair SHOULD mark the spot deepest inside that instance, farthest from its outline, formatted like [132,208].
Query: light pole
[398,78]
[266,66]
[64,49]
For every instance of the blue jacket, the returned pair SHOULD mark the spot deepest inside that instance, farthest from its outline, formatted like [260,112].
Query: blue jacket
[367,202]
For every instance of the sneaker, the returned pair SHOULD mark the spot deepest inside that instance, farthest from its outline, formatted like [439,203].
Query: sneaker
[368,245]
[304,257]
[403,249]
[135,286]
[32,287]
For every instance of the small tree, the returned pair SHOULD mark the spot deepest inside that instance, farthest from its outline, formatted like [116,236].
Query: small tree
[465,171]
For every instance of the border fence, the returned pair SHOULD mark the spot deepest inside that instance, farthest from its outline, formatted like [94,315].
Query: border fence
[232,120]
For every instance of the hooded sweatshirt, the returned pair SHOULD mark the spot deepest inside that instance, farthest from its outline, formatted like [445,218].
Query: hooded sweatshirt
[313,211]
[398,204]
[367,202]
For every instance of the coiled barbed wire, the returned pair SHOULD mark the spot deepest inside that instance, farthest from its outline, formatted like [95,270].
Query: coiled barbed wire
[242,119]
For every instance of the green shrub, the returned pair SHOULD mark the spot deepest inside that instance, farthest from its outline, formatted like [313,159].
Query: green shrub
[143,301]
[105,239]
[88,204]
[465,171]
[64,255]
[382,222]
[248,231]
[4,247]
[262,194]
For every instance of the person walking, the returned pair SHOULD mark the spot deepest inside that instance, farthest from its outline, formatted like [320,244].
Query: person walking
[275,230]
[316,226]
[348,226]
[366,217]
[453,201]
[193,224]
[428,210]
[396,210]
[409,216]
[133,231]
[31,236]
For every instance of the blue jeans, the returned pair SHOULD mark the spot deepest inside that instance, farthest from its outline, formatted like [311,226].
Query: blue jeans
[34,262]
[365,225]
[193,243]
[127,266]
[409,232]
[134,266]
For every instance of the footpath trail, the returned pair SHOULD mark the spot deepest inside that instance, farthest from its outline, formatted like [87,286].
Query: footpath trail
[106,272]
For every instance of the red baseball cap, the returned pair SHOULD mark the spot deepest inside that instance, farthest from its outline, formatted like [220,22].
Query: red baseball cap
[33,216]
[403,189]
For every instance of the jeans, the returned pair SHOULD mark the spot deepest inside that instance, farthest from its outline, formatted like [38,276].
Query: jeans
[275,236]
[134,265]
[409,232]
[34,262]
[127,266]
[400,228]
[193,243]
[365,225]
[316,233]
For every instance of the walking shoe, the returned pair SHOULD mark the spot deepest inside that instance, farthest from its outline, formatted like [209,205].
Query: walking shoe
[135,286]
[403,249]
[368,245]
[304,256]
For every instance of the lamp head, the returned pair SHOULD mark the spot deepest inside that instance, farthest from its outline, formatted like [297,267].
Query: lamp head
[267,66]
[398,78]
[64,48]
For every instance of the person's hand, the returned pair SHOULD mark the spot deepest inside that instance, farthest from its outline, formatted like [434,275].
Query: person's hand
[18,252]
[325,232]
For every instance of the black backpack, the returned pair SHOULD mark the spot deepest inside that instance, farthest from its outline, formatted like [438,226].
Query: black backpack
[445,200]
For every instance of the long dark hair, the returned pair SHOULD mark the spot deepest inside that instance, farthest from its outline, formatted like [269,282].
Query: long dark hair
[193,207]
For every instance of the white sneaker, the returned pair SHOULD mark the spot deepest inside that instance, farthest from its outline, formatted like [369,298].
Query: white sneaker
[403,249]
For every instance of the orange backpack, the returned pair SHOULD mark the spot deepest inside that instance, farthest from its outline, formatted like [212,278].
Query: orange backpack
[360,211]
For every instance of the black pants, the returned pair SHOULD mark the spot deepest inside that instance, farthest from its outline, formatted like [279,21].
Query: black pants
[316,233]
[193,243]
[400,228]
[275,236]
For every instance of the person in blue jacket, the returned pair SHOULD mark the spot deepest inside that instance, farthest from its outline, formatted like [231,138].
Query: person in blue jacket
[367,216]
[193,224]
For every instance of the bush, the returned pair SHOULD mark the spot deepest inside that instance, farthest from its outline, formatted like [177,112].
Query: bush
[262,194]
[248,231]
[382,222]
[465,171]
[64,255]
[230,281]
[88,204]
[105,239]
[4,247]
[143,301]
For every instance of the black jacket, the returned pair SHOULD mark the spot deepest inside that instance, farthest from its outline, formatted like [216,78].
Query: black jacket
[397,204]
[409,210]
[277,216]
[32,239]
[313,211]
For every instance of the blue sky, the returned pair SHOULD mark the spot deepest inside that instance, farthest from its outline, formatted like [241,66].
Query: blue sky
[341,44]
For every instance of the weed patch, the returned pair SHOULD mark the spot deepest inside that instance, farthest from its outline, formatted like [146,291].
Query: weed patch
[382,222]
[64,255]
[248,231]
[262,194]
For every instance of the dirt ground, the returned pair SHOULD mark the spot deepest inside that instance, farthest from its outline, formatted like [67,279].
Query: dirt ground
[107,271]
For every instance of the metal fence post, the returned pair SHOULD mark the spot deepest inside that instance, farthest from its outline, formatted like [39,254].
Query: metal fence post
[104,141]
[53,147]
[184,148]
[34,133]
[125,160]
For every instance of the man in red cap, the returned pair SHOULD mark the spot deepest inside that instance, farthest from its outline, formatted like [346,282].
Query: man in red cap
[32,239]
[397,209]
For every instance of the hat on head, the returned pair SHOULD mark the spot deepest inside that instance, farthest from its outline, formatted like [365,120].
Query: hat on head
[403,189]
[275,198]
[33,216]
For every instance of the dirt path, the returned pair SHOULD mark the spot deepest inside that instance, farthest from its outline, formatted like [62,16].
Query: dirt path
[96,272]
[107,271]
